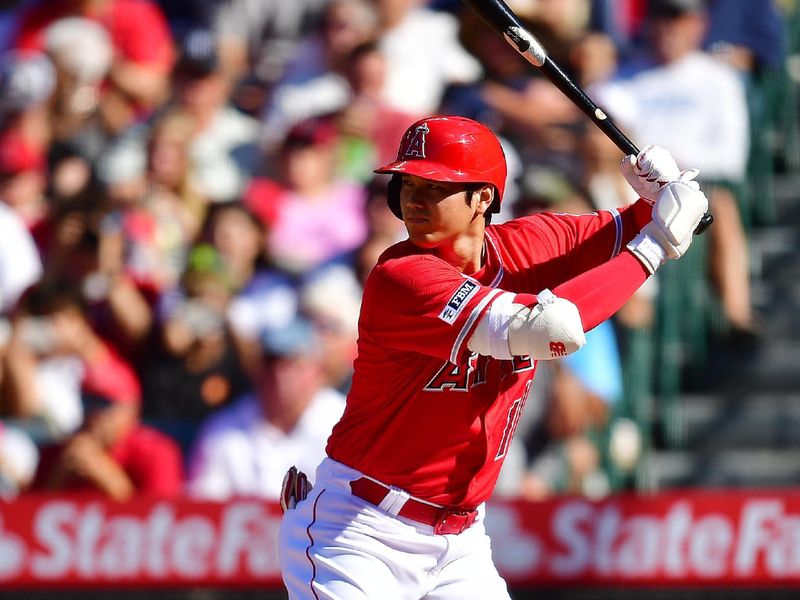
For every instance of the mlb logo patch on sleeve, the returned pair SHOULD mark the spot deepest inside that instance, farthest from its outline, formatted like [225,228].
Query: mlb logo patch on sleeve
[458,301]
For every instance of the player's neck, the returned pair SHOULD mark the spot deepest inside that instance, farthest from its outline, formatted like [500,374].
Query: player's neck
[466,253]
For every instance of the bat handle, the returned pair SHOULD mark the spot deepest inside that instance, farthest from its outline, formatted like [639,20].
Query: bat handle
[628,147]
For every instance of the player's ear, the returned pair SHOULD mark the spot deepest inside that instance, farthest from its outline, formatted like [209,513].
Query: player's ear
[485,197]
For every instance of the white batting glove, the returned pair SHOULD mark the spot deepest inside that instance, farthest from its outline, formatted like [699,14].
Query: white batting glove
[652,169]
[676,214]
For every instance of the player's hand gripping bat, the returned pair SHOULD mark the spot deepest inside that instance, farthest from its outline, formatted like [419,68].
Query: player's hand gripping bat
[503,20]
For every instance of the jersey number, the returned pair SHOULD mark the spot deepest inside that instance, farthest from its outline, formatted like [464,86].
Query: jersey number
[512,420]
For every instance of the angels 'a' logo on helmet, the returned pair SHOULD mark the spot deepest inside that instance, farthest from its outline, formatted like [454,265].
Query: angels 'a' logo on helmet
[416,145]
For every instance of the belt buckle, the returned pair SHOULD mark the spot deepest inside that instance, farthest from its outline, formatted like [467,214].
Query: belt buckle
[454,521]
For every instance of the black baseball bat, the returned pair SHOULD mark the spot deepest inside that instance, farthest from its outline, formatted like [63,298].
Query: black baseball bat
[502,19]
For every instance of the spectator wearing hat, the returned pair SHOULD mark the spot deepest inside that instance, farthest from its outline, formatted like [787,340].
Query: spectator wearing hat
[138,78]
[82,53]
[224,149]
[23,180]
[331,297]
[245,450]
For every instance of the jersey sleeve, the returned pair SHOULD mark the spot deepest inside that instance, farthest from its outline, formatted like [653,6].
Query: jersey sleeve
[565,245]
[421,304]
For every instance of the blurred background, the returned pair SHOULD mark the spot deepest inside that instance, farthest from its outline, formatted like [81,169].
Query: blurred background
[188,213]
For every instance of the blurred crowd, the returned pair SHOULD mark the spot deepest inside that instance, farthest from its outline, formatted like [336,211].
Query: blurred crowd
[189,212]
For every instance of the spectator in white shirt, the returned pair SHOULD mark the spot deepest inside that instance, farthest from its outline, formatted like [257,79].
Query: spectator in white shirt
[423,55]
[245,449]
[695,106]
[20,264]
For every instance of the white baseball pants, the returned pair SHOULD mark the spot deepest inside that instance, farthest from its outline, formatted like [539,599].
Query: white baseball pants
[334,545]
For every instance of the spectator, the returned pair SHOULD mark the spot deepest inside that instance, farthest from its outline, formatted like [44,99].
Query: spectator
[19,458]
[313,215]
[169,171]
[557,450]
[423,55]
[750,35]
[314,82]
[138,79]
[747,34]
[504,97]
[260,36]
[383,227]
[245,450]
[82,52]
[564,454]
[20,264]
[332,299]
[112,454]
[263,296]
[606,188]
[194,368]
[27,83]
[116,306]
[54,357]
[239,238]
[695,107]
[368,125]
[23,179]
[223,149]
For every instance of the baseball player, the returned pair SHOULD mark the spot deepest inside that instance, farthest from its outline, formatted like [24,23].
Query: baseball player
[453,322]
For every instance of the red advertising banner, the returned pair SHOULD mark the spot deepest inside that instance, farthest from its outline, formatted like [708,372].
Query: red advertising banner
[694,538]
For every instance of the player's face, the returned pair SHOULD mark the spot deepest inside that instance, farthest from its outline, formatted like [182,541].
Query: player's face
[435,211]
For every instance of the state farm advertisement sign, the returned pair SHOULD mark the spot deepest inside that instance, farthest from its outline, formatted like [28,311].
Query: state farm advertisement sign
[84,542]
[696,538]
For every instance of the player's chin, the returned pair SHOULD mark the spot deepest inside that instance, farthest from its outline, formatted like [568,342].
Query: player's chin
[418,226]
[423,239]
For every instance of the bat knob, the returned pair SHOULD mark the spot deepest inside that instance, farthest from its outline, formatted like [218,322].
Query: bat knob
[704,223]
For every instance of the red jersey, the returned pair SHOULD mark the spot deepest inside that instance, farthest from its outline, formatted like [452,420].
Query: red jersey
[425,414]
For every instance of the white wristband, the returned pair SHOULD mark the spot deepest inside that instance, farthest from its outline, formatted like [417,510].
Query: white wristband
[648,251]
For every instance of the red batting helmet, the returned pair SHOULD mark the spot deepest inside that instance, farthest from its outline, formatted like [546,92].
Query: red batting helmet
[453,149]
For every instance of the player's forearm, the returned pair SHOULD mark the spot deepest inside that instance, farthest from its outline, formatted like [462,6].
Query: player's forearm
[601,291]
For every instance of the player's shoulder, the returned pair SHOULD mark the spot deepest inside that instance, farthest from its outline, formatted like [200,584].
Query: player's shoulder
[519,225]
[404,264]
[404,255]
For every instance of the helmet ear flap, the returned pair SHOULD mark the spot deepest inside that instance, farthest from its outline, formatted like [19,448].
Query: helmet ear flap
[393,195]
